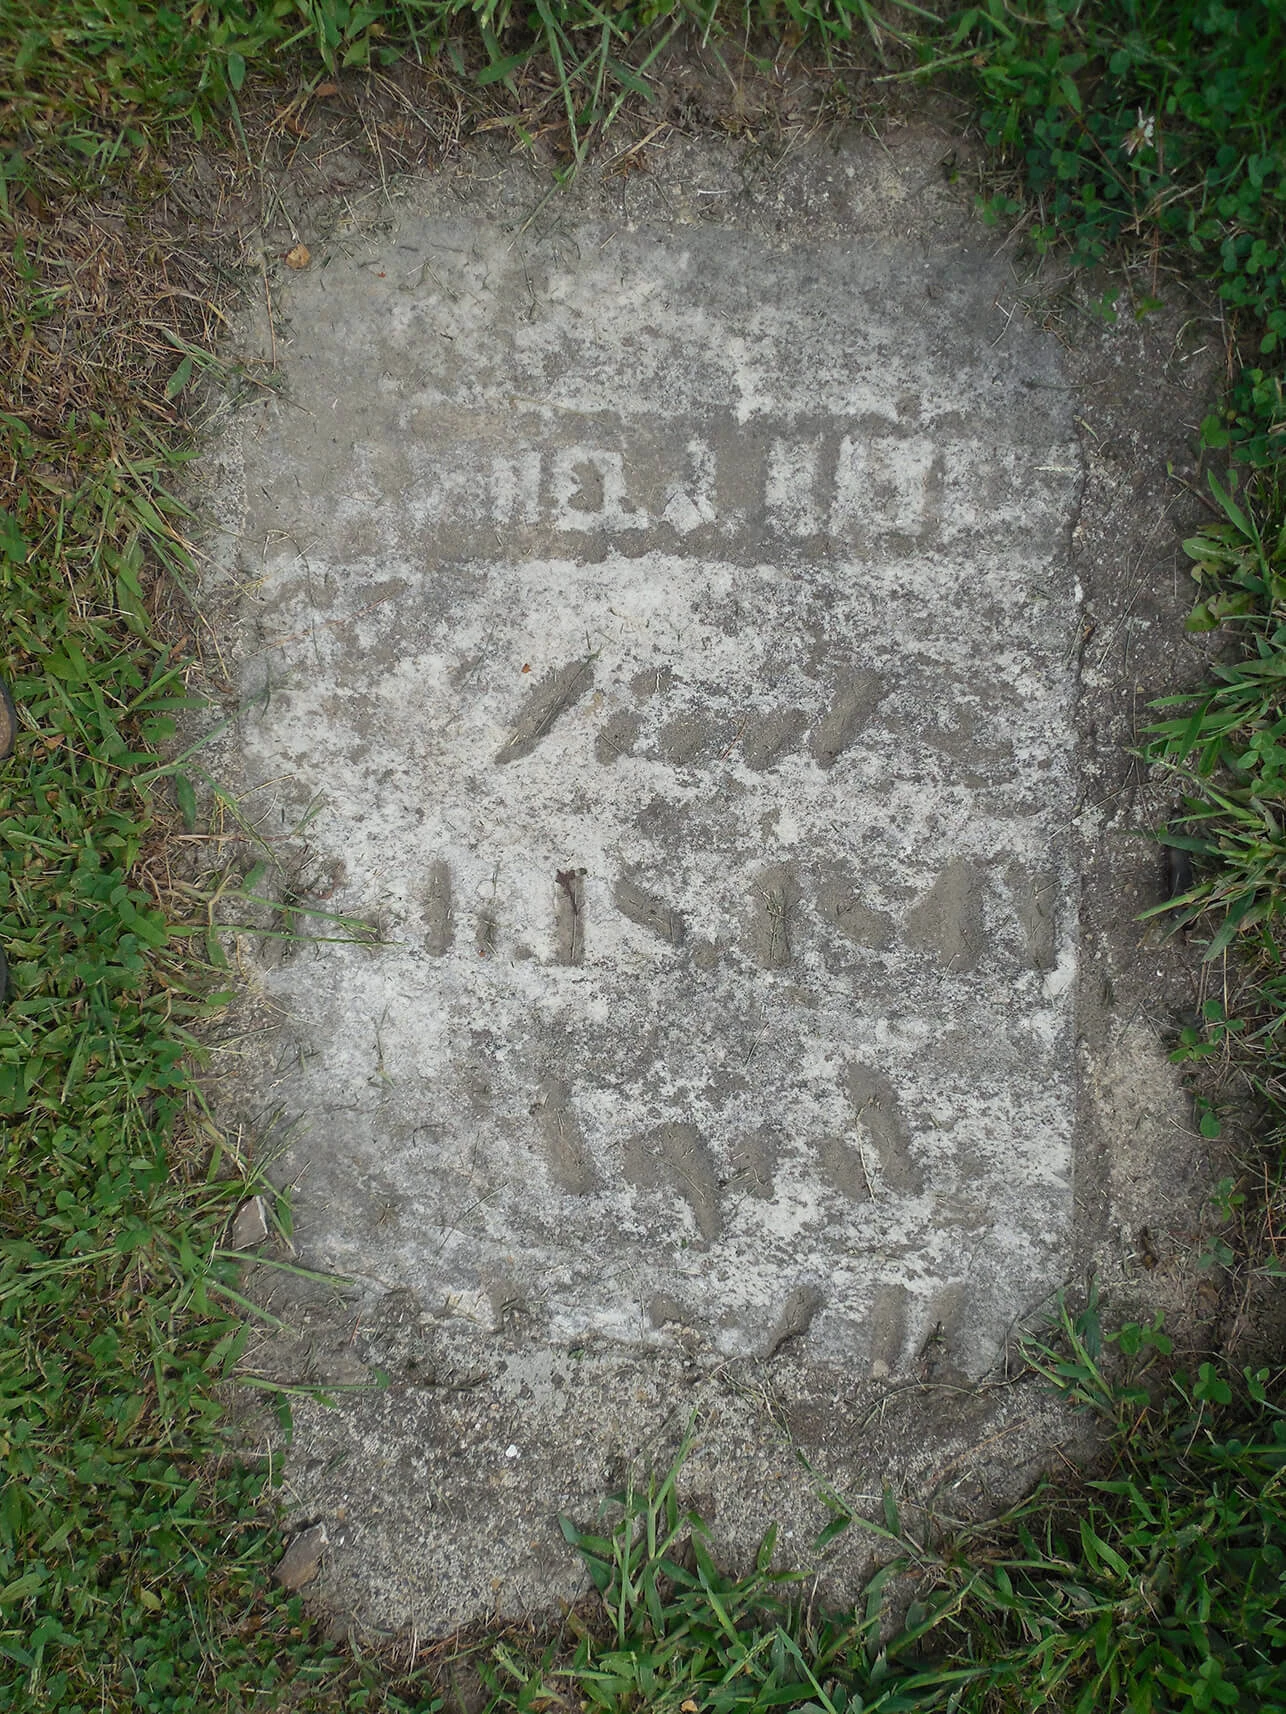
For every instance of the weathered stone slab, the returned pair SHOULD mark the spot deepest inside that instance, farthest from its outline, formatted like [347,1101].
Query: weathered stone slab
[673,635]
[665,633]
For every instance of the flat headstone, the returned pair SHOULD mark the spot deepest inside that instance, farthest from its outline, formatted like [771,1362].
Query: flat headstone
[662,630]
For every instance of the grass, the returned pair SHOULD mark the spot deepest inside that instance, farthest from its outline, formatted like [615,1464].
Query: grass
[1157,1585]
[134,1559]
[1155,124]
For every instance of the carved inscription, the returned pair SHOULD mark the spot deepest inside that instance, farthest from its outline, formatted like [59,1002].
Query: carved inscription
[437,911]
[569,915]
[552,697]
[822,487]
[684,673]
[561,1139]
[775,899]
[674,1158]
[878,1111]
[948,920]
[648,911]
[851,707]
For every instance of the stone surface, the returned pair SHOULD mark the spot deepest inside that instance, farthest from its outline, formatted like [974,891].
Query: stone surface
[675,646]
[664,627]
[8,723]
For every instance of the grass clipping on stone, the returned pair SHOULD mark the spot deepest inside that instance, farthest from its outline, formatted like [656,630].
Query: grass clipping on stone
[134,1558]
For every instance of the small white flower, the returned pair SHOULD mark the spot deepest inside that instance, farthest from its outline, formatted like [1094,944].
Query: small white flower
[1141,136]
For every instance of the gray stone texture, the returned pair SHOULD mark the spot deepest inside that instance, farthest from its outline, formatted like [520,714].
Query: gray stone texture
[664,627]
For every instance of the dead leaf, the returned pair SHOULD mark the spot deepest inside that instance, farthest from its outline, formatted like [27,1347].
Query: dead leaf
[326,89]
[302,1559]
[8,722]
[249,1224]
[299,257]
